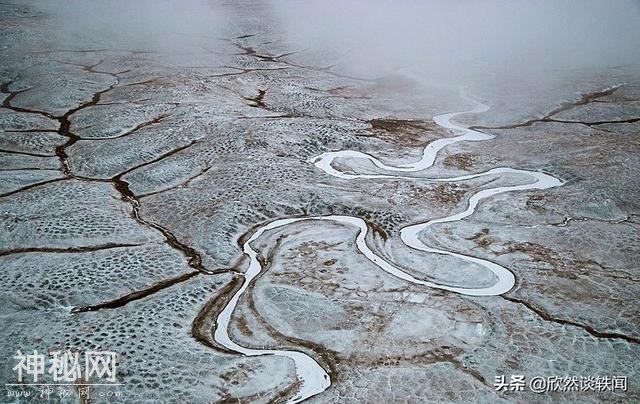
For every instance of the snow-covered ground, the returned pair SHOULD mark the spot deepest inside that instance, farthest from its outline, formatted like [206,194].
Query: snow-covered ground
[240,218]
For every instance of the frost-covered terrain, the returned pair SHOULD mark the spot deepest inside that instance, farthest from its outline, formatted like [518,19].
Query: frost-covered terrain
[240,220]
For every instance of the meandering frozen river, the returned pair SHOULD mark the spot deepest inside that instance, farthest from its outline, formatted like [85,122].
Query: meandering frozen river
[314,379]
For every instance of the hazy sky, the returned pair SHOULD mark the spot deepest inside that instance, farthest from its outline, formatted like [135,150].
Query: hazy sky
[157,24]
[441,39]
[446,37]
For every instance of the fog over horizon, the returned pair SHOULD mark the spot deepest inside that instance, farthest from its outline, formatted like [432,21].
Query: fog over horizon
[456,39]
[438,40]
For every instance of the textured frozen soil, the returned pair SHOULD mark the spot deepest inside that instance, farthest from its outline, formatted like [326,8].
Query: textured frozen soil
[129,177]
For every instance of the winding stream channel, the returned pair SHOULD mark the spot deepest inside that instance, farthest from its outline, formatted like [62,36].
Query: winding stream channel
[313,378]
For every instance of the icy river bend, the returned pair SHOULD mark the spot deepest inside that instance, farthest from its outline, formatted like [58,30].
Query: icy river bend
[313,378]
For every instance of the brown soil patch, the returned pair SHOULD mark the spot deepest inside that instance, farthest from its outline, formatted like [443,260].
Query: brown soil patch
[461,161]
[404,132]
